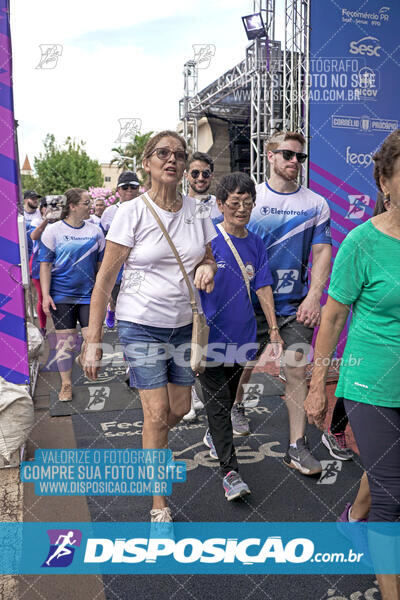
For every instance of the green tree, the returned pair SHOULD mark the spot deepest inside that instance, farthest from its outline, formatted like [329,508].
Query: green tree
[65,166]
[29,182]
[133,150]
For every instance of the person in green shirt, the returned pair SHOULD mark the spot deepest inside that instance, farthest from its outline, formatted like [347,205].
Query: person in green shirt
[366,277]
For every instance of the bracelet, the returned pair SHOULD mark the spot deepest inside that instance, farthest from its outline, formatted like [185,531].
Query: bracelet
[275,327]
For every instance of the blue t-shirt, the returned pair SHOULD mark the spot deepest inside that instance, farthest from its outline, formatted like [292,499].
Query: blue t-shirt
[290,224]
[29,217]
[229,312]
[35,270]
[74,252]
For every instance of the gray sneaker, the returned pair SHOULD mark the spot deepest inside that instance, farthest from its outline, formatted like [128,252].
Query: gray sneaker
[240,424]
[337,446]
[300,458]
[234,486]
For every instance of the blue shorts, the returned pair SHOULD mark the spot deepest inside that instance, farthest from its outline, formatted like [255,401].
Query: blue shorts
[157,355]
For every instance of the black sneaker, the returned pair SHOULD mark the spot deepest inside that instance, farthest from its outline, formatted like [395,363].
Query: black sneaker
[300,458]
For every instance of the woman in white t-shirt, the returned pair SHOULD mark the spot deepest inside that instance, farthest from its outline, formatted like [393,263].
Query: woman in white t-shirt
[153,308]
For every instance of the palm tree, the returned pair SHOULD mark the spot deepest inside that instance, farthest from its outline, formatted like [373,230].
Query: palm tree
[130,156]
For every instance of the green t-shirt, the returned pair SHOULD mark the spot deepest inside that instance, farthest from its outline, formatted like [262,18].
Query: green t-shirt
[366,274]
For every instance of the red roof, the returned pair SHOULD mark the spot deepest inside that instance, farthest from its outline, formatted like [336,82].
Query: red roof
[26,166]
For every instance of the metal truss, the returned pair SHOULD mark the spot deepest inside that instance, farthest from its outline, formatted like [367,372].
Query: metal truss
[269,88]
[296,67]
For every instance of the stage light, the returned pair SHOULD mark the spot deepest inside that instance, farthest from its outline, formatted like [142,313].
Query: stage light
[254,26]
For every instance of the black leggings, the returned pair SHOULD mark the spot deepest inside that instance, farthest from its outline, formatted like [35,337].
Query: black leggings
[377,433]
[219,385]
[339,417]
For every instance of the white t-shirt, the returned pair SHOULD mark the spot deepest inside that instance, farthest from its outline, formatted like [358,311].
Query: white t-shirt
[94,219]
[108,215]
[207,206]
[153,290]
[29,216]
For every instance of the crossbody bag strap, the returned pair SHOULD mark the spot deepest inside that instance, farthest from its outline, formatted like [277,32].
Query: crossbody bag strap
[193,303]
[238,259]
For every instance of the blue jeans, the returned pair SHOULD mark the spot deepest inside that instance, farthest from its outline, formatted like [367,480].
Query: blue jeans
[157,355]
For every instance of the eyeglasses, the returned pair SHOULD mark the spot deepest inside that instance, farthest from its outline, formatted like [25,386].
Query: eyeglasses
[288,155]
[128,186]
[165,153]
[196,173]
[235,204]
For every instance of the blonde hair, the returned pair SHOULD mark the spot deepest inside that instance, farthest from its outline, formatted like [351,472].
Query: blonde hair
[283,136]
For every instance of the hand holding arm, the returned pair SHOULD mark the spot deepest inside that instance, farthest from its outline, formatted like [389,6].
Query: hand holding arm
[309,311]
[205,271]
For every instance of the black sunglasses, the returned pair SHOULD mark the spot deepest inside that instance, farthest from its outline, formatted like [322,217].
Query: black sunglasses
[196,173]
[128,186]
[288,155]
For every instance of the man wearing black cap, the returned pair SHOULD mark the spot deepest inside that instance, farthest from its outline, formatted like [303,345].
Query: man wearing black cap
[31,210]
[128,189]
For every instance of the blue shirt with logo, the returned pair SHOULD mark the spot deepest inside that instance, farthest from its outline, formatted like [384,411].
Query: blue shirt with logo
[228,309]
[289,224]
[74,253]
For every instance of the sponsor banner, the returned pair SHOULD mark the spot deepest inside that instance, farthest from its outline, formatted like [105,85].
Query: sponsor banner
[354,87]
[14,365]
[199,548]
[103,472]
[356,50]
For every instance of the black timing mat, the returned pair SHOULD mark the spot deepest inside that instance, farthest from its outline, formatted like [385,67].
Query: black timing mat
[95,397]
[278,494]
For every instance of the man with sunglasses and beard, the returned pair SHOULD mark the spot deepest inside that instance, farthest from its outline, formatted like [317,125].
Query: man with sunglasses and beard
[128,189]
[199,175]
[293,221]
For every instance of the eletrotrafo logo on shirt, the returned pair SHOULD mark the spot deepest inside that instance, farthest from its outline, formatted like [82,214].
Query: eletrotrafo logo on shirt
[266,210]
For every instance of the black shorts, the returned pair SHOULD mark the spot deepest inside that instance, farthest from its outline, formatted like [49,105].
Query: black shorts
[67,315]
[115,292]
[296,336]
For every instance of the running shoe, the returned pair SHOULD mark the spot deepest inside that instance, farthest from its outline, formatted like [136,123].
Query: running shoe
[161,515]
[357,535]
[337,446]
[161,526]
[110,318]
[190,416]
[196,402]
[240,424]
[207,439]
[300,458]
[234,486]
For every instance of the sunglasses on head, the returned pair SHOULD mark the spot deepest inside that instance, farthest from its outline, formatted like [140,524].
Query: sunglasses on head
[288,155]
[128,186]
[196,173]
[165,153]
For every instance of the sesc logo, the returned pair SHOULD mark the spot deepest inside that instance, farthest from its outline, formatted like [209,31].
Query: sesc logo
[361,160]
[366,46]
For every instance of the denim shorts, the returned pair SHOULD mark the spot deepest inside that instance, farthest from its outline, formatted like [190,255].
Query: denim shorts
[156,355]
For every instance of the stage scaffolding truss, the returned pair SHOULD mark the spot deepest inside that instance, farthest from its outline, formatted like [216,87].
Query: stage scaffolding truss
[275,78]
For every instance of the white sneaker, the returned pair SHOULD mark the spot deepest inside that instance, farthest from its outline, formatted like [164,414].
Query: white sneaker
[196,402]
[190,416]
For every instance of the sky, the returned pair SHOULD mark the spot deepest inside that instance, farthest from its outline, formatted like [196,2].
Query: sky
[120,59]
